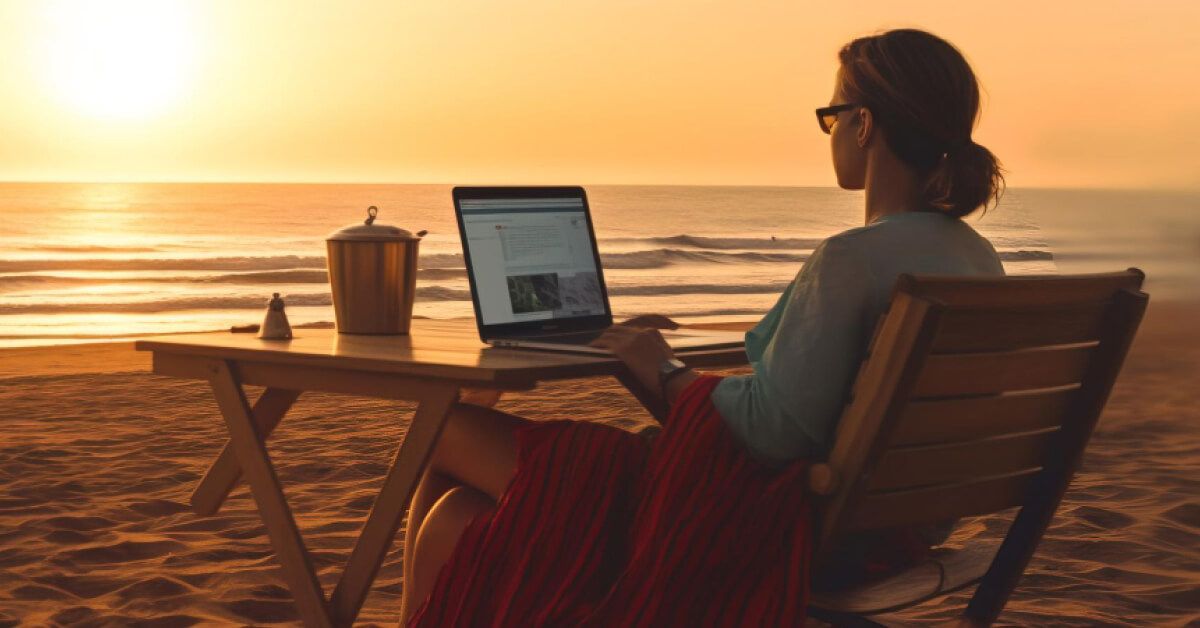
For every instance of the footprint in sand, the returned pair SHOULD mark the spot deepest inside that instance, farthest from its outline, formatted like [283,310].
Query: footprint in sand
[70,537]
[84,587]
[1104,518]
[263,611]
[79,524]
[1186,514]
[40,593]
[158,507]
[153,588]
[218,555]
[120,553]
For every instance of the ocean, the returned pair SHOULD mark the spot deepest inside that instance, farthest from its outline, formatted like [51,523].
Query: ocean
[98,261]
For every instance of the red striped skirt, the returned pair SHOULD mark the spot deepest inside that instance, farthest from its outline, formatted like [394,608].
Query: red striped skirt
[600,527]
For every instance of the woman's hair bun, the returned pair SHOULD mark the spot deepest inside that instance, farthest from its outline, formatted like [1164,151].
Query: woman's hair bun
[925,98]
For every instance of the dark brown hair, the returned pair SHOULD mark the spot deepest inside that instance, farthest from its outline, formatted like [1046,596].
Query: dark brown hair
[925,99]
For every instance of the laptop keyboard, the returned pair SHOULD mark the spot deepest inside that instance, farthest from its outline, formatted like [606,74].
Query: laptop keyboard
[574,338]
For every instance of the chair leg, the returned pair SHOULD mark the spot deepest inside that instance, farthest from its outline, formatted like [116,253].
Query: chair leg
[1015,552]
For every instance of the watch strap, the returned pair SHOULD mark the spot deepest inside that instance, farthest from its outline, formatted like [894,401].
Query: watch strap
[665,377]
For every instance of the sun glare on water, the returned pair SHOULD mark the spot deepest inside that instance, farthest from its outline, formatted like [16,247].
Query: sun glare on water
[118,59]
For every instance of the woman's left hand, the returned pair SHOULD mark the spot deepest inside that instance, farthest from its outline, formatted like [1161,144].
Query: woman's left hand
[642,349]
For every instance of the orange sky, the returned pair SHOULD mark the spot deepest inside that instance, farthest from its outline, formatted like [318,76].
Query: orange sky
[1096,93]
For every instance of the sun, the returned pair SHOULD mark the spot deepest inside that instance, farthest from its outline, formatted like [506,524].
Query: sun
[118,59]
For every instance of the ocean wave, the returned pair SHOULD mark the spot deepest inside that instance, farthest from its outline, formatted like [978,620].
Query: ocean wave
[268,276]
[12,282]
[437,265]
[698,289]
[261,277]
[681,314]
[441,261]
[1025,256]
[88,248]
[424,293]
[280,262]
[162,305]
[442,273]
[707,242]
[652,258]
[661,258]
[143,334]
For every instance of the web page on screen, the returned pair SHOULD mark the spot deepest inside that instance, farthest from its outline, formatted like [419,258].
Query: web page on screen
[532,259]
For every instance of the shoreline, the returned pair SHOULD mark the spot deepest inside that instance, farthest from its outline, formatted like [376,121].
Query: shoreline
[119,356]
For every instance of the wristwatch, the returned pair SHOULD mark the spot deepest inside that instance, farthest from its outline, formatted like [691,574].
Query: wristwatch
[667,371]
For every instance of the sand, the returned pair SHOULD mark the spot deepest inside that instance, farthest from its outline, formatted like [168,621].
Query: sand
[98,457]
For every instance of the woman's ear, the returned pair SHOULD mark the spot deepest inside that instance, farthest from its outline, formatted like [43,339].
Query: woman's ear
[866,127]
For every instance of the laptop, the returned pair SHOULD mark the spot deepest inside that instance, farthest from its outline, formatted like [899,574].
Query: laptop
[535,273]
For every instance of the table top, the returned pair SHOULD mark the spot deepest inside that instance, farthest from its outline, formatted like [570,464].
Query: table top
[443,349]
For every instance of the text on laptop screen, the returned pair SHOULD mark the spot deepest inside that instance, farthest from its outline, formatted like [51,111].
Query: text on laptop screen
[532,259]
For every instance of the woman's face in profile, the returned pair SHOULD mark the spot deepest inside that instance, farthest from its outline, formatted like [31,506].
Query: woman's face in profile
[849,159]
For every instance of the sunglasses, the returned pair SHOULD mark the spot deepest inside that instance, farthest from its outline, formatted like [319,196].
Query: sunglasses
[827,116]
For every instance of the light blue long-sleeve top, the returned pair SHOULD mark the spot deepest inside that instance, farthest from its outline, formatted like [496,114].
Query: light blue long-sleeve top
[805,352]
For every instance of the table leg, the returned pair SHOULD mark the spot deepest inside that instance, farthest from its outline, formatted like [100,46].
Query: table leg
[268,494]
[391,504]
[225,471]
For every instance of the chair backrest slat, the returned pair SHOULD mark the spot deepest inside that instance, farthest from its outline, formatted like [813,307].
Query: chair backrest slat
[1032,325]
[941,503]
[960,374]
[955,463]
[928,421]
[973,389]
[1019,292]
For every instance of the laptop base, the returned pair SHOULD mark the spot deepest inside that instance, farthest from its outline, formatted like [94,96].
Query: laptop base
[681,340]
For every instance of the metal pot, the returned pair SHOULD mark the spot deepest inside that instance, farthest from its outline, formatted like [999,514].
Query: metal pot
[373,276]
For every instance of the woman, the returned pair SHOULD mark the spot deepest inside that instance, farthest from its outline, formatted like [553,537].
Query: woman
[572,523]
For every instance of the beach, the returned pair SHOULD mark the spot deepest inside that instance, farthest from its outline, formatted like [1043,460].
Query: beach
[100,456]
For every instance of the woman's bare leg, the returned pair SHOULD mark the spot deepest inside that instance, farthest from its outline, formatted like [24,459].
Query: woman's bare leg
[436,541]
[430,489]
[432,485]
[477,450]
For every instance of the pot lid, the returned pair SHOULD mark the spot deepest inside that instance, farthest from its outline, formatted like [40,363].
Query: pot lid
[370,231]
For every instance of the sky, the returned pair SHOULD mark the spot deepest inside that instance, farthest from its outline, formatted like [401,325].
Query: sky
[1077,94]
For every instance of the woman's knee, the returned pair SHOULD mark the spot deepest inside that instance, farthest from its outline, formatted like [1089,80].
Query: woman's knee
[445,524]
[437,538]
[461,504]
[478,447]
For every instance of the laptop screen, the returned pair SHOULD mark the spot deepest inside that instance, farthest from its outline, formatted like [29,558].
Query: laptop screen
[531,258]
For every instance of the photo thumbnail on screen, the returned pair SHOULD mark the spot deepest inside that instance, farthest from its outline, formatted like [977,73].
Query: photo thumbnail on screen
[534,293]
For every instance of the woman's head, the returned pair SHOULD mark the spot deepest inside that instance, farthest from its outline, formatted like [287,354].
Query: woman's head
[921,95]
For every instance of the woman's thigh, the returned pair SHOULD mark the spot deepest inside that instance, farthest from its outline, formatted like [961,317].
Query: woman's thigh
[478,448]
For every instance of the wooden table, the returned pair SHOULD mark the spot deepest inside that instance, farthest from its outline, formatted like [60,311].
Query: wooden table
[429,366]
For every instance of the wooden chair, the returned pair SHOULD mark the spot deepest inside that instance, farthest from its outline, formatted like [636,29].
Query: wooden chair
[976,396]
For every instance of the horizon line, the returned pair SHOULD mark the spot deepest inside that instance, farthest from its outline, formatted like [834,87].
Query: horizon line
[1176,189]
